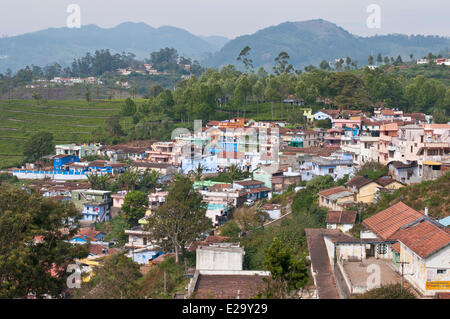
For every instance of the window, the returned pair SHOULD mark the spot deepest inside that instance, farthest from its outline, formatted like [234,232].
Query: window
[382,249]
[441,271]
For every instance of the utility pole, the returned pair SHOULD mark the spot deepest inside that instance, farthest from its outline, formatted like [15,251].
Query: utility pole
[403,263]
[165,283]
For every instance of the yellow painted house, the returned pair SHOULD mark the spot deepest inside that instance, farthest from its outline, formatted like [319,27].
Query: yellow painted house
[307,112]
[424,249]
[365,189]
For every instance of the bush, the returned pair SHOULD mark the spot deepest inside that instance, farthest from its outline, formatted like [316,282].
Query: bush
[230,229]
[393,291]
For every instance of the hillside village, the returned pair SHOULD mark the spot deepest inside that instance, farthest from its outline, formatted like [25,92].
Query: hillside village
[263,161]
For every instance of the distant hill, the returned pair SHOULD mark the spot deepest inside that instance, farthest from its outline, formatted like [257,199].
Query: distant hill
[62,45]
[307,42]
[216,41]
[310,42]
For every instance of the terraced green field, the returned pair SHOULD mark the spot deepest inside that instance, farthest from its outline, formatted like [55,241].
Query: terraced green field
[68,121]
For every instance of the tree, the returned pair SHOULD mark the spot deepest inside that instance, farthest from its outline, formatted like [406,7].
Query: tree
[373,170]
[129,108]
[99,181]
[149,180]
[287,273]
[129,179]
[244,57]
[181,219]
[198,172]
[324,65]
[88,94]
[439,116]
[242,91]
[370,60]
[39,145]
[319,183]
[296,117]
[113,127]
[379,58]
[272,92]
[117,279]
[386,60]
[230,229]
[155,90]
[282,64]
[134,206]
[323,123]
[34,247]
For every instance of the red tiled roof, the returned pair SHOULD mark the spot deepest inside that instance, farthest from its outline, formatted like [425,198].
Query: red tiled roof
[228,286]
[396,247]
[331,191]
[384,181]
[341,217]
[90,233]
[385,223]
[423,238]
[358,182]
[249,182]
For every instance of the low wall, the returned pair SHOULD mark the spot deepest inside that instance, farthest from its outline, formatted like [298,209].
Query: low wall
[351,288]
[22,174]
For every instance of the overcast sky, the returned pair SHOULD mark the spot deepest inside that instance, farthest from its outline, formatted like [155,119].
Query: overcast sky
[230,18]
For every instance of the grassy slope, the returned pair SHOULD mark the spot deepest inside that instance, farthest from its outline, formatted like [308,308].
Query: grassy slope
[69,121]
[432,194]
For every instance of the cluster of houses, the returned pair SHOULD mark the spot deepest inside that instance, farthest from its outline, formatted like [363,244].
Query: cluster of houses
[64,81]
[277,159]
[440,61]
[148,69]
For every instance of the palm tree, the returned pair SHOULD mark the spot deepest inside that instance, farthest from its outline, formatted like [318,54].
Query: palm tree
[129,179]
[198,172]
[99,182]
[149,179]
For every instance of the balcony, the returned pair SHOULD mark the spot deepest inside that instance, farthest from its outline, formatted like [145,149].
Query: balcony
[368,138]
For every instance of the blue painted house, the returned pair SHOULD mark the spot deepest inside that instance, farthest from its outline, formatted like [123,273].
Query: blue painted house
[97,212]
[144,255]
[60,160]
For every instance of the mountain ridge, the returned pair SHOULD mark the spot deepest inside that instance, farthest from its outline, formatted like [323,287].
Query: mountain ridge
[307,42]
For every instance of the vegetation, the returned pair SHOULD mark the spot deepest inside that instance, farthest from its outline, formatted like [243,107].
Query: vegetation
[135,206]
[34,251]
[181,219]
[217,95]
[372,170]
[432,194]
[393,291]
[291,231]
[287,274]
[156,285]
[39,145]
[116,279]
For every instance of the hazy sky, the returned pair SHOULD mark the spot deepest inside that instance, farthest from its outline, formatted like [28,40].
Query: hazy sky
[230,18]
